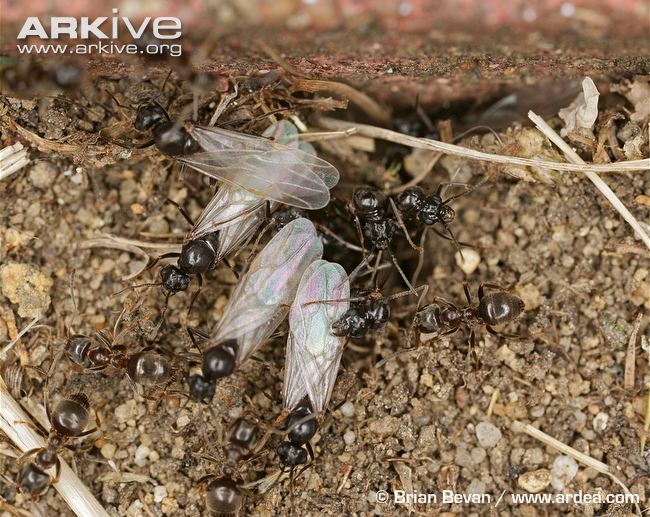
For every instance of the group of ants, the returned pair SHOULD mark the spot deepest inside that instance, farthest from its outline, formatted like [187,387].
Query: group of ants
[378,219]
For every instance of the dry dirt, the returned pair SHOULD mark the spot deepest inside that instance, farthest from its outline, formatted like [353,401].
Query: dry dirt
[573,260]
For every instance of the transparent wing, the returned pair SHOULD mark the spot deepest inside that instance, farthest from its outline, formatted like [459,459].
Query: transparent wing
[313,352]
[264,168]
[260,300]
[229,206]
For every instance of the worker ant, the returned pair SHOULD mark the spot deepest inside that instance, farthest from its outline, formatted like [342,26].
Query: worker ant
[98,354]
[67,421]
[224,494]
[496,308]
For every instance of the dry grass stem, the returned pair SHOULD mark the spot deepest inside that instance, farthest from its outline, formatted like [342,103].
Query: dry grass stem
[573,157]
[520,427]
[630,356]
[73,491]
[457,150]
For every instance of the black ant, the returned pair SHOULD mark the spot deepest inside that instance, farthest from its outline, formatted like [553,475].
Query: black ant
[370,210]
[369,311]
[302,426]
[68,420]
[224,494]
[146,367]
[496,308]
[432,209]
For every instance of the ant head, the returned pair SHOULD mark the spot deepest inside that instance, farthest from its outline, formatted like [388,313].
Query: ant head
[149,115]
[201,389]
[70,416]
[411,199]
[301,428]
[173,279]
[197,256]
[174,140]
[368,199]
[447,214]
[77,347]
[220,360]
[353,324]
[33,479]
[291,454]
[223,497]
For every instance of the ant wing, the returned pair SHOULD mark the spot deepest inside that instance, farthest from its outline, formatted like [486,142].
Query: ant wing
[266,169]
[313,352]
[235,213]
[229,206]
[261,299]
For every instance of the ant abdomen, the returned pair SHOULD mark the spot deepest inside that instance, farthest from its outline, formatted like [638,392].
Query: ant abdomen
[148,368]
[410,200]
[33,480]
[78,349]
[223,497]
[70,416]
[370,203]
[500,307]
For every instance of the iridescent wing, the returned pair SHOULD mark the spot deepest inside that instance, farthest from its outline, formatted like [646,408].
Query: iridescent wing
[229,206]
[265,168]
[313,352]
[261,299]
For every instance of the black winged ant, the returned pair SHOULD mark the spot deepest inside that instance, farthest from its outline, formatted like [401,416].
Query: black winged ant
[495,308]
[68,420]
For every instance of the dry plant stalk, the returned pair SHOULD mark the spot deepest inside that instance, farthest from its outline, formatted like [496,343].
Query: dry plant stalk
[521,427]
[573,157]
[457,150]
[630,356]
[13,422]
[12,159]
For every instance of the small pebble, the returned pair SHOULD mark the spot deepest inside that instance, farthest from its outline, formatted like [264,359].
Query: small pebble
[600,422]
[349,437]
[26,286]
[478,454]
[141,455]
[563,471]
[42,175]
[534,481]
[159,493]
[469,261]
[476,486]
[182,421]
[108,450]
[488,434]
[347,409]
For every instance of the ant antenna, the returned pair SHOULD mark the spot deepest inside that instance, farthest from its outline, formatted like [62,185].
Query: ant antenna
[139,286]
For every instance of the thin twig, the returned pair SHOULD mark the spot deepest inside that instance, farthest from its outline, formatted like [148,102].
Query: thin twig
[630,356]
[573,157]
[12,159]
[521,427]
[13,423]
[5,350]
[457,150]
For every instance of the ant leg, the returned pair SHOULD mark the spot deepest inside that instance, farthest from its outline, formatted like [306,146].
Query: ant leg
[199,279]
[182,210]
[401,224]
[27,454]
[57,472]
[467,293]
[483,286]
